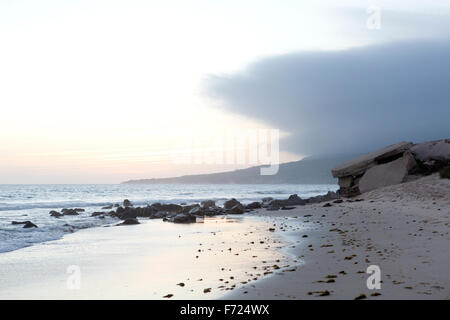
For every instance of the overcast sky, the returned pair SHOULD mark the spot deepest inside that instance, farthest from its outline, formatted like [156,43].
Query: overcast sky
[97,91]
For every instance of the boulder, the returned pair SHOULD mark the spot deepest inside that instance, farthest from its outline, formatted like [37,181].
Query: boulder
[107,207]
[127,203]
[145,212]
[95,214]
[130,221]
[230,203]
[208,204]
[55,214]
[188,208]
[19,222]
[237,209]
[120,210]
[253,205]
[273,207]
[345,182]
[167,207]
[266,201]
[387,174]
[158,215]
[29,224]
[128,213]
[184,218]
[433,150]
[196,210]
[295,200]
[70,212]
[359,165]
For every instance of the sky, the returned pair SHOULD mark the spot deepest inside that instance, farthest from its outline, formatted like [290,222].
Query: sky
[106,91]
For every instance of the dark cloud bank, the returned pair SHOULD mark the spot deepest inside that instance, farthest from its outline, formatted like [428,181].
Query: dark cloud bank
[348,101]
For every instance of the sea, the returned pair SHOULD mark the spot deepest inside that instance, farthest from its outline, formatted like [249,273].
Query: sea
[34,202]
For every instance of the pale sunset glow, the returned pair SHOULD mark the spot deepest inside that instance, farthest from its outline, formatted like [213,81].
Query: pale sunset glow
[95,91]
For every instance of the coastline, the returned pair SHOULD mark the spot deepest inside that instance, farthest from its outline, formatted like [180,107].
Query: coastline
[191,261]
[404,229]
[313,251]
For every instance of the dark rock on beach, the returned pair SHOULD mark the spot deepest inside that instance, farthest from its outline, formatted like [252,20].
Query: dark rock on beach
[130,221]
[167,207]
[230,203]
[55,214]
[184,218]
[253,205]
[127,203]
[208,204]
[95,214]
[237,209]
[29,224]
[19,222]
[71,212]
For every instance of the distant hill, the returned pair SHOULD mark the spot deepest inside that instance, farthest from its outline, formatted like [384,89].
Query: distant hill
[306,171]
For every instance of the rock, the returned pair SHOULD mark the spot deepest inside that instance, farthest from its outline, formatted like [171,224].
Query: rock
[253,205]
[196,211]
[19,222]
[359,165]
[120,210]
[295,200]
[55,214]
[287,208]
[345,182]
[167,207]
[95,214]
[130,221]
[237,209]
[79,210]
[107,207]
[387,174]
[128,213]
[273,207]
[127,203]
[208,204]
[433,150]
[158,215]
[327,205]
[188,208]
[69,212]
[184,218]
[145,212]
[29,224]
[230,203]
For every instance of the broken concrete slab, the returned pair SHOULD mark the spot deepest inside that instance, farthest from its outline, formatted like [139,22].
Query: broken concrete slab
[433,150]
[359,165]
[387,174]
[345,182]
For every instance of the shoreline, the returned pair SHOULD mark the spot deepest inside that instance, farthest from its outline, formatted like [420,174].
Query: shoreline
[315,251]
[191,261]
[403,229]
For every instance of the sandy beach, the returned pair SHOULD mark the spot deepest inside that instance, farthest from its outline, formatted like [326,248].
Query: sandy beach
[404,229]
[316,251]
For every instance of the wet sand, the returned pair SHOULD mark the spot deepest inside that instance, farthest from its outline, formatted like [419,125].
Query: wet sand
[403,229]
[153,260]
